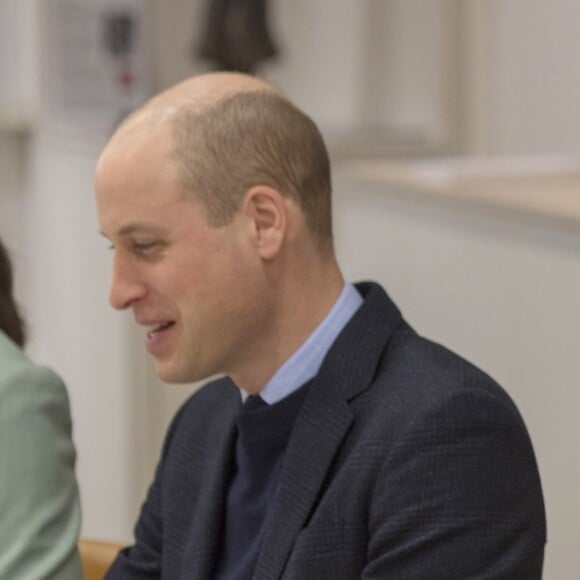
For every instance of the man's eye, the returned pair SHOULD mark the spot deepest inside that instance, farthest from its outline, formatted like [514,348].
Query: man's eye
[143,247]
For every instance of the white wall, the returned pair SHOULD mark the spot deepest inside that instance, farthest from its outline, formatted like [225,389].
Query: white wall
[12,180]
[321,55]
[534,76]
[18,89]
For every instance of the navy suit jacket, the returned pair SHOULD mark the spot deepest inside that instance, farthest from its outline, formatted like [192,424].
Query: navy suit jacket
[405,462]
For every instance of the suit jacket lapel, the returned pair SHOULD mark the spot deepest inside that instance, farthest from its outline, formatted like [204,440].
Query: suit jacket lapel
[317,435]
[322,425]
[206,529]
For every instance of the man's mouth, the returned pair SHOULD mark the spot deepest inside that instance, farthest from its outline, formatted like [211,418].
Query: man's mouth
[156,328]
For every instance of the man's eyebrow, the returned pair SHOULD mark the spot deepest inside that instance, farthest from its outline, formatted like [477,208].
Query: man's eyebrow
[136,228]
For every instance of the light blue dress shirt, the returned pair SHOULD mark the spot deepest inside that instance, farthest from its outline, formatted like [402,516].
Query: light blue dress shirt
[305,362]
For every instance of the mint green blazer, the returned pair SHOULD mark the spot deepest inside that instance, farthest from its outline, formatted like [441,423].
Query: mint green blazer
[39,498]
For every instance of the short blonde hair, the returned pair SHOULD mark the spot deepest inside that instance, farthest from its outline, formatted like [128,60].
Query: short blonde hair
[254,138]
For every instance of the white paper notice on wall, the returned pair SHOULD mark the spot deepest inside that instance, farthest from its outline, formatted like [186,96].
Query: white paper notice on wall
[94,66]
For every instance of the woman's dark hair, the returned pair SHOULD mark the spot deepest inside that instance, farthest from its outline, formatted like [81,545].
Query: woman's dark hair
[10,321]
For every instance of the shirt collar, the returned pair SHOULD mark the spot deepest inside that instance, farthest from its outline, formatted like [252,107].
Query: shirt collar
[305,362]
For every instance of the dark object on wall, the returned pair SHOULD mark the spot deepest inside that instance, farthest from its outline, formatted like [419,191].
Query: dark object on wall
[118,33]
[236,35]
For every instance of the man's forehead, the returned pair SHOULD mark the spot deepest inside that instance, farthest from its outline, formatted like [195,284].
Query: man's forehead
[144,128]
[137,147]
[121,216]
[136,175]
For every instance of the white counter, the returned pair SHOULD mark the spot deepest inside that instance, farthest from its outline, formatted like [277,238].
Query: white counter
[542,187]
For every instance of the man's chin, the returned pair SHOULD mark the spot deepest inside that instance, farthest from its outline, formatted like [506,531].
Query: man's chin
[176,376]
[170,375]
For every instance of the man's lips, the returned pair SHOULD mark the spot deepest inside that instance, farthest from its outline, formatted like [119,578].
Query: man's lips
[158,341]
[156,327]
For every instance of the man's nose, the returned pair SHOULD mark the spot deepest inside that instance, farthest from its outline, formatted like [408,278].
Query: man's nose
[126,287]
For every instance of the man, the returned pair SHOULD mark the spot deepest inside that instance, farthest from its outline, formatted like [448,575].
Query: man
[371,452]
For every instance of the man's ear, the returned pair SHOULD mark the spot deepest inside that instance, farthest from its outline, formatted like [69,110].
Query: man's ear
[265,207]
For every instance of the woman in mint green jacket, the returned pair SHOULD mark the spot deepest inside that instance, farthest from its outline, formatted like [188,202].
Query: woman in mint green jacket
[39,499]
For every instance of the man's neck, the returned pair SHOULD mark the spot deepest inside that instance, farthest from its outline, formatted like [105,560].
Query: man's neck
[301,308]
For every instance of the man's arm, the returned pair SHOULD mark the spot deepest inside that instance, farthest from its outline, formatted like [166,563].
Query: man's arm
[142,561]
[459,496]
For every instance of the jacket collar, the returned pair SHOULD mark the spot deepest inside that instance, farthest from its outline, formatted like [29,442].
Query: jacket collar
[322,424]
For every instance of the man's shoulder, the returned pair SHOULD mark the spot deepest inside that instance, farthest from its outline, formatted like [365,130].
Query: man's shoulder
[404,370]
[381,339]
[425,377]
[424,363]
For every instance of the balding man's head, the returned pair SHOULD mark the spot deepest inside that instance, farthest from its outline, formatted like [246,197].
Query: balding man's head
[195,95]
[232,131]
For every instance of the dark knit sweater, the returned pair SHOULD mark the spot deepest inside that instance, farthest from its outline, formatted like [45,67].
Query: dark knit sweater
[263,432]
